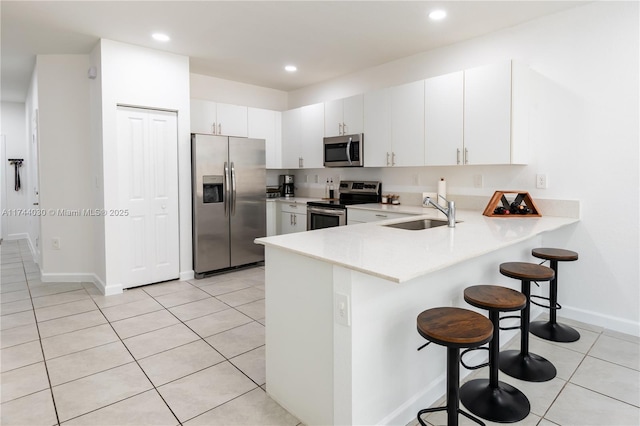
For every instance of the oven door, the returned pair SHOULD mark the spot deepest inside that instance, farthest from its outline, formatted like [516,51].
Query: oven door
[325,217]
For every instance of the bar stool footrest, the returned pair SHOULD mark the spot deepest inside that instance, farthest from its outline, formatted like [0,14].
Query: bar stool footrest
[434,410]
[515,327]
[473,367]
[533,296]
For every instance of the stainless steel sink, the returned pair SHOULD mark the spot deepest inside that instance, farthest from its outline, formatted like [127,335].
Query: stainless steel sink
[417,225]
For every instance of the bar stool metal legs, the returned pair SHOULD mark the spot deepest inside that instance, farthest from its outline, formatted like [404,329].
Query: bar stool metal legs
[522,364]
[552,329]
[490,398]
[454,328]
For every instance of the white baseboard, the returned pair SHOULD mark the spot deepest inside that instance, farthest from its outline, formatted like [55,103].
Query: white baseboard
[107,290]
[607,321]
[76,277]
[187,275]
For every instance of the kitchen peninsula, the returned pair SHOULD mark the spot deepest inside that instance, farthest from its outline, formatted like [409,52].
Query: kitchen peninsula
[341,306]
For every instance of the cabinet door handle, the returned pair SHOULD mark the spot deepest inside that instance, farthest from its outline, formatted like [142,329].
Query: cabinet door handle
[393,158]
[458,156]
[295,220]
[381,215]
[387,158]
[291,219]
[300,162]
[345,129]
[340,128]
[219,128]
[213,130]
[466,156]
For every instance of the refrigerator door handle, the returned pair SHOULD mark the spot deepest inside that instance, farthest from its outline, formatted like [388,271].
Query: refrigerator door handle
[233,189]
[226,190]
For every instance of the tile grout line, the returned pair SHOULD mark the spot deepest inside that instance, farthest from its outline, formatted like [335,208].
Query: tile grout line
[141,369]
[44,359]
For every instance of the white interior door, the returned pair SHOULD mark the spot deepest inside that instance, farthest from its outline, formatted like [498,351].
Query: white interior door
[148,195]
[34,186]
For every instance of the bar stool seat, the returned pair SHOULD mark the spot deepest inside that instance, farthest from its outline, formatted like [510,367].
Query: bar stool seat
[523,364]
[552,330]
[489,398]
[454,328]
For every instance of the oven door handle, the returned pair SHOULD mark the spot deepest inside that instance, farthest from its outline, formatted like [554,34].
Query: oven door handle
[349,151]
[333,212]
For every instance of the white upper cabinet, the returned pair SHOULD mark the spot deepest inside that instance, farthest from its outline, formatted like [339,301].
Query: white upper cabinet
[302,133]
[377,128]
[218,118]
[291,138]
[407,124]
[443,119]
[343,116]
[267,124]
[394,126]
[495,114]
[312,133]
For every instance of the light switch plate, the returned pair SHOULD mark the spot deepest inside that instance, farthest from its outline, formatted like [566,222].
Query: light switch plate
[342,309]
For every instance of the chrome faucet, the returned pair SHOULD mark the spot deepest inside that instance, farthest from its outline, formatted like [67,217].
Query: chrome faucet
[450,211]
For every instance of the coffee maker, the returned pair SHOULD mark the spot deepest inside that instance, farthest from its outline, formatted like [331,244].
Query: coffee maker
[286,186]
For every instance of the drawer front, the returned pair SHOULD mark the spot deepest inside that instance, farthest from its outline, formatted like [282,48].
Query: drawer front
[356,215]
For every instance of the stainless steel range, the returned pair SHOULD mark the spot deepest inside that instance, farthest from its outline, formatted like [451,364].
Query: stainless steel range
[329,213]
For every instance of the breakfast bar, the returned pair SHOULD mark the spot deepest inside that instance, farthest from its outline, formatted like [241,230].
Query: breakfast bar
[341,305]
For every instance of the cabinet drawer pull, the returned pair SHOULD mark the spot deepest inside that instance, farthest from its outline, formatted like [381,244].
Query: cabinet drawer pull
[381,215]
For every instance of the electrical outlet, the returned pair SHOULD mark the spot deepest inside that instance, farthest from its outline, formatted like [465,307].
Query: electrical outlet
[541,181]
[478,181]
[342,309]
[55,243]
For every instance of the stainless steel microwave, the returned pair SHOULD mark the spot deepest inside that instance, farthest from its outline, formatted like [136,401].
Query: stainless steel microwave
[344,151]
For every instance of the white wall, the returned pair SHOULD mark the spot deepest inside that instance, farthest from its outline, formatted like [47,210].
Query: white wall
[14,132]
[233,92]
[142,77]
[585,140]
[63,117]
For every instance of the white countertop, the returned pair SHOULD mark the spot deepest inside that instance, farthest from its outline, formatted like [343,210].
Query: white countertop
[400,255]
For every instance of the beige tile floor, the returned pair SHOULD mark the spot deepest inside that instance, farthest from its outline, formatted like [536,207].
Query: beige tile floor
[192,353]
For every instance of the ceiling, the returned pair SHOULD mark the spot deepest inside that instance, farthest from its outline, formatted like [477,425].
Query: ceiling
[251,41]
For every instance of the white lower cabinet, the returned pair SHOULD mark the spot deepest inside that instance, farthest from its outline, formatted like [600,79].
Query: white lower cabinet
[363,216]
[293,218]
[272,218]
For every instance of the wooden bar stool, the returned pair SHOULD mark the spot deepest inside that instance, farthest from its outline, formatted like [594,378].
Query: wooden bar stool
[454,328]
[523,364]
[489,398]
[552,330]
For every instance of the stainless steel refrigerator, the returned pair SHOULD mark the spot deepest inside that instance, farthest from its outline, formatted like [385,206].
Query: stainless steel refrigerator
[229,202]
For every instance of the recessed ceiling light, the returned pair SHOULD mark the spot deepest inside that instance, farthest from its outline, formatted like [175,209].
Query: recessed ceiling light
[437,15]
[291,68]
[160,37]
